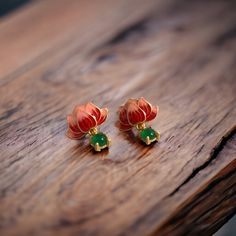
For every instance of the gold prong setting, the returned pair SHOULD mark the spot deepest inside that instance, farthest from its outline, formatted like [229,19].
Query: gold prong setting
[147,134]
[109,142]
[148,141]
[97,147]
[158,136]
[84,121]
[99,141]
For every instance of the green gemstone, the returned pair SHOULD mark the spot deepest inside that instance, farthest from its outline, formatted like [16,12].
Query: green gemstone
[99,138]
[148,132]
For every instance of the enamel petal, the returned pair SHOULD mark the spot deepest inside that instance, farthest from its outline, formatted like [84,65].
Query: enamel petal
[85,121]
[135,114]
[123,127]
[123,116]
[70,134]
[93,110]
[72,124]
[153,113]
[103,116]
[145,106]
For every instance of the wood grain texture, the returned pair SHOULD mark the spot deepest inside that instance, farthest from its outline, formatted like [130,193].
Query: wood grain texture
[179,55]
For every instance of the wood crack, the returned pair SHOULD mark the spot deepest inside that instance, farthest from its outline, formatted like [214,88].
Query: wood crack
[214,153]
[137,28]
[226,36]
[184,216]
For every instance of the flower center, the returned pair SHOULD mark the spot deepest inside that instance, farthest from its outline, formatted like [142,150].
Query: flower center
[141,126]
[93,131]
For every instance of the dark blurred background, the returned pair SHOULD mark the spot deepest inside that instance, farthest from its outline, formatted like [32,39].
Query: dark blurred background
[6,6]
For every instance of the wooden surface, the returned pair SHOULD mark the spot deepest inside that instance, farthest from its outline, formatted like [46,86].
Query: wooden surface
[180,55]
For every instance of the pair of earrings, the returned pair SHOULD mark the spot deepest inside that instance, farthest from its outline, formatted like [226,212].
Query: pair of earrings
[85,119]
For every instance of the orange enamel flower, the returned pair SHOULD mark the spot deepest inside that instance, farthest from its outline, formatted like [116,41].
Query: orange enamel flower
[85,119]
[135,112]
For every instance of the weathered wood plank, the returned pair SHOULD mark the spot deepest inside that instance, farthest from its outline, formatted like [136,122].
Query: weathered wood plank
[47,26]
[180,56]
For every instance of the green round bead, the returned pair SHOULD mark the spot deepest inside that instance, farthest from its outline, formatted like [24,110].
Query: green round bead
[148,132]
[99,138]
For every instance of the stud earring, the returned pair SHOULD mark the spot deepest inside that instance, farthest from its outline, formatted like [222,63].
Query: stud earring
[135,113]
[84,120]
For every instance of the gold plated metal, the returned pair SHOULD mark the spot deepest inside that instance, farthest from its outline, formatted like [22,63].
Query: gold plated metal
[136,113]
[84,120]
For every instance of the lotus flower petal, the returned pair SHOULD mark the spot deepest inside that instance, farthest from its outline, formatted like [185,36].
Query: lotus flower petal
[136,111]
[84,118]
[153,113]
[72,124]
[135,114]
[103,116]
[123,116]
[125,127]
[145,106]
[93,110]
[72,135]
[85,121]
